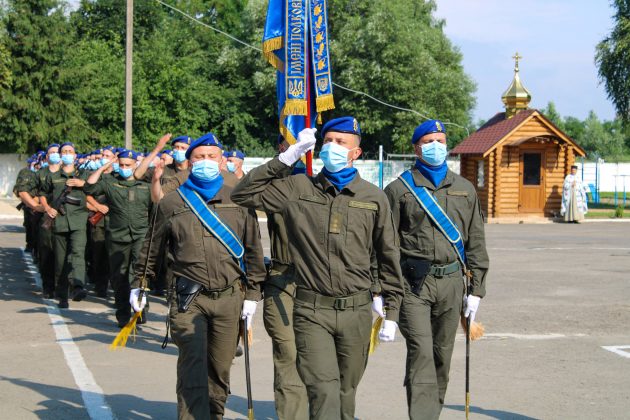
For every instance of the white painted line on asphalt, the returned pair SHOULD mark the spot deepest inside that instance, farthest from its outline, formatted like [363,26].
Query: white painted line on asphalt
[516,336]
[618,350]
[560,249]
[92,394]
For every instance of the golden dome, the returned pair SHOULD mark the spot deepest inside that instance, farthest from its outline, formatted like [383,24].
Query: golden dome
[516,97]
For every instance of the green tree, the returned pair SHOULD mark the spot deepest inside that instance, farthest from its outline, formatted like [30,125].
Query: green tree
[597,141]
[612,57]
[553,115]
[36,110]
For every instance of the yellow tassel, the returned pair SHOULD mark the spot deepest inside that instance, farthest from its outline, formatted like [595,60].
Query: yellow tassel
[271,45]
[123,335]
[295,107]
[250,335]
[374,341]
[325,103]
[319,119]
[476,329]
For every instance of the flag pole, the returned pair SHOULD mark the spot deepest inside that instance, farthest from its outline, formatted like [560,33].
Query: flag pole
[307,61]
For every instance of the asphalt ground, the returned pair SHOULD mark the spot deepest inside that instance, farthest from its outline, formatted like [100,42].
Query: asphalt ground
[557,295]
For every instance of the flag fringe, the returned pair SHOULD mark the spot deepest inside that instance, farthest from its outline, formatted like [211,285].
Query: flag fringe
[123,335]
[269,48]
[295,107]
[325,103]
[374,341]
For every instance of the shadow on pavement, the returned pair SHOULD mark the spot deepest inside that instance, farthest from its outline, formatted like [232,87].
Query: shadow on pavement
[495,414]
[263,410]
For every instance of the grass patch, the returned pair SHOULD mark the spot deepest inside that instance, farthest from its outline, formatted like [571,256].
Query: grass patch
[594,213]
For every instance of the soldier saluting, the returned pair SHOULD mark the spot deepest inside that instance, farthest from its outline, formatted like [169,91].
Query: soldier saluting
[432,264]
[213,243]
[335,222]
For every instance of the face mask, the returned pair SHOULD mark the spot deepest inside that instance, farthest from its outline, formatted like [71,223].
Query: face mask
[54,158]
[33,168]
[231,167]
[205,170]
[151,165]
[179,156]
[45,165]
[125,173]
[116,166]
[334,156]
[104,161]
[434,153]
[67,159]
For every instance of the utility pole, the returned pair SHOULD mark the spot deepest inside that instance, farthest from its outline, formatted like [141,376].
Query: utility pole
[129,77]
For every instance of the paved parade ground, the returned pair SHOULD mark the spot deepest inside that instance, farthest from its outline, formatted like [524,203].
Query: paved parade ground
[557,344]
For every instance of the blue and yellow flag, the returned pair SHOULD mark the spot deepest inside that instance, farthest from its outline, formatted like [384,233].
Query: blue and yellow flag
[294,27]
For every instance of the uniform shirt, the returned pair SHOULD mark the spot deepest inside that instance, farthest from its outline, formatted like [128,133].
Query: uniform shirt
[76,215]
[26,182]
[196,253]
[128,203]
[41,181]
[331,235]
[419,238]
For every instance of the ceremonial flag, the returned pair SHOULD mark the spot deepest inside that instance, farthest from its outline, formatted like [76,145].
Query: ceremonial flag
[296,44]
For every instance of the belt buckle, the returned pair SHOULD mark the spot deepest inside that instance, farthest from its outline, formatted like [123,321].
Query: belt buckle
[439,271]
[214,295]
[340,304]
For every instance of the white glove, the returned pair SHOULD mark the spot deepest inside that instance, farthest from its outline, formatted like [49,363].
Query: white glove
[305,142]
[471,306]
[249,308]
[133,300]
[377,306]
[388,331]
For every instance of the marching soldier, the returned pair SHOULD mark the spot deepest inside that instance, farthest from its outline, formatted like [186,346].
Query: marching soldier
[69,213]
[334,223]
[432,264]
[212,241]
[129,201]
[25,189]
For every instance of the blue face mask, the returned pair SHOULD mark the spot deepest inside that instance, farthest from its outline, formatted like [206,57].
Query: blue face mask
[231,167]
[116,166]
[54,158]
[45,165]
[179,156]
[125,173]
[334,156]
[434,153]
[205,170]
[67,159]
[104,161]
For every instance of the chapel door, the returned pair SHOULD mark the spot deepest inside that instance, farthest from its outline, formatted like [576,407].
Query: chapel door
[531,182]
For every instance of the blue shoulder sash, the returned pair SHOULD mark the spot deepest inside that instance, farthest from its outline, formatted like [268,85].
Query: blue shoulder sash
[213,224]
[437,215]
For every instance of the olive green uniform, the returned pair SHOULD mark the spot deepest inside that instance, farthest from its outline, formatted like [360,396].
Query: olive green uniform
[429,321]
[69,236]
[98,256]
[331,237]
[27,182]
[129,203]
[45,251]
[206,334]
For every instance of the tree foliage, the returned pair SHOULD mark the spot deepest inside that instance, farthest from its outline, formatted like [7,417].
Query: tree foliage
[613,60]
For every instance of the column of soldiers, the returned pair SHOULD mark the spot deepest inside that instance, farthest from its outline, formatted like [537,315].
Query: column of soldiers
[341,250]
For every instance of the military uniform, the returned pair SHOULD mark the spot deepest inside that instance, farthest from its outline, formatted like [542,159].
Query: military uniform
[45,251]
[429,320]
[69,232]
[129,203]
[27,182]
[206,334]
[331,237]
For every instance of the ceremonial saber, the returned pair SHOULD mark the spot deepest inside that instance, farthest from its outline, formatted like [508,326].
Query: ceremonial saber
[467,354]
[250,402]
[307,59]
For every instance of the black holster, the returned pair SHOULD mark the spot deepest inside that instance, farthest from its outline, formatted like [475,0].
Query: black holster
[187,290]
[415,271]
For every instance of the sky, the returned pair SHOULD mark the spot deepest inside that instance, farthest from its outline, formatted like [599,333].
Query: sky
[556,38]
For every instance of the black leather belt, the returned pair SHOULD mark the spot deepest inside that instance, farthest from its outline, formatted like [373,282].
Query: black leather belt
[219,293]
[340,303]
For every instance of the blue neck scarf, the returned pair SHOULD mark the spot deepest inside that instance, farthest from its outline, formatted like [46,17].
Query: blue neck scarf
[206,189]
[435,174]
[340,179]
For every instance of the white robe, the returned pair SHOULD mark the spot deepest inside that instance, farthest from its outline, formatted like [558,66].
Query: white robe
[574,201]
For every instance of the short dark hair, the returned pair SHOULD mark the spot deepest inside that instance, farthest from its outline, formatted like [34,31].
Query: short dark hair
[574,167]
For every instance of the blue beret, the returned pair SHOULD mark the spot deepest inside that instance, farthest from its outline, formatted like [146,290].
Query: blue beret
[127,154]
[40,153]
[50,146]
[342,125]
[168,152]
[236,154]
[68,143]
[205,140]
[427,127]
[182,139]
[226,154]
[110,148]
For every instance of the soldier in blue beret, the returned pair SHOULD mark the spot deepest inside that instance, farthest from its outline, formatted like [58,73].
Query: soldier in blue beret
[335,223]
[433,267]
[234,163]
